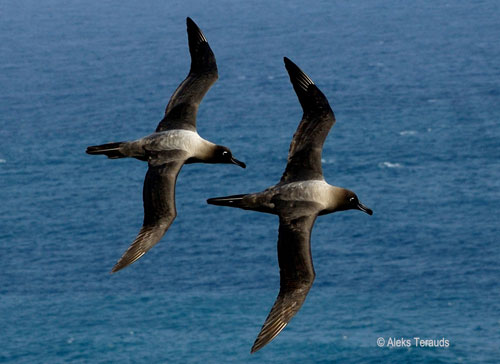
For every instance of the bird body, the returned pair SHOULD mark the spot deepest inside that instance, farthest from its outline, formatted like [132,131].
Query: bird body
[189,142]
[174,143]
[275,198]
[298,199]
[179,139]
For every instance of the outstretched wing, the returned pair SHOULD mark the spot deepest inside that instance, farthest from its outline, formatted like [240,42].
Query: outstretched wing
[304,157]
[296,275]
[159,206]
[183,105]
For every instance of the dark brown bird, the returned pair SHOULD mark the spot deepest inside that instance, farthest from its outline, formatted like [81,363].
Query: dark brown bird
[174,143]
[298,199]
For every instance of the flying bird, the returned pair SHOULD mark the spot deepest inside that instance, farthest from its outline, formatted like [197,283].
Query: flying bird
[174,143]
[298,199]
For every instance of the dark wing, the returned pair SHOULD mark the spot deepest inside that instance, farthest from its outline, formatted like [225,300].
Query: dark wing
[159,208]
[296,275]
[304,157]
[183,105]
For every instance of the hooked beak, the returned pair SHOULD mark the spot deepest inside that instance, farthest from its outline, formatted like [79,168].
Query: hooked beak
[238,163]
[365,209]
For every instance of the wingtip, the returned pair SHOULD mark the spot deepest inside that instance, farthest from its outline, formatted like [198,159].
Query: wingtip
[260,343]
[290,66]
[195,30]
[127,259]
[117,267]
[263,340]
[191,25]
[190,22]
[297,76]
[256,346]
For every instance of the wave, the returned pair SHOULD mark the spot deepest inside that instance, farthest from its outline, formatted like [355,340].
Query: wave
[390,165]
[408,132]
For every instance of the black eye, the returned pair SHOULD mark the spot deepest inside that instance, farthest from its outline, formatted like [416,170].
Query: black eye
[225,153]
[352,199]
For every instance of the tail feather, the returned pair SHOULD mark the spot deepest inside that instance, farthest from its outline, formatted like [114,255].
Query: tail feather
[111,150]
[232,201]
[249,201]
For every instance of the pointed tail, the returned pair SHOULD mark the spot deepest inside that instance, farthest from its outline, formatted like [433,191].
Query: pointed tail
[248,201]
[111,150]
[232,201]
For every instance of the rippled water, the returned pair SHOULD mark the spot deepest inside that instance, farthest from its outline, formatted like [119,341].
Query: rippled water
[416,95]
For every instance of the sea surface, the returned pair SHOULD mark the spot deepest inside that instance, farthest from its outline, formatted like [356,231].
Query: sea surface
[415,87]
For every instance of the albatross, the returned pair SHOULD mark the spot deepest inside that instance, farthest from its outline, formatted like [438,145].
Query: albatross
[298,199]
[174,143]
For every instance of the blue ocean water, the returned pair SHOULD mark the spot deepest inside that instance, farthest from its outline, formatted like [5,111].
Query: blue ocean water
[415,88]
